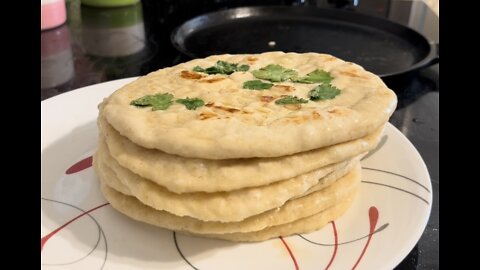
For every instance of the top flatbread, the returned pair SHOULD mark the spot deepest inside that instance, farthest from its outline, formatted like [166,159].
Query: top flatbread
[241,123]
[180,174]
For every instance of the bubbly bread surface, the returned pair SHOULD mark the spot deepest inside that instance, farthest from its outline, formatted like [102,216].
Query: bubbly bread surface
[220,206]
[241,147]
[184,175]
[293,210]
[237,122]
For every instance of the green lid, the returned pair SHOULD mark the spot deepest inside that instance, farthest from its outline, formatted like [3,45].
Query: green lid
[109,3]
[111,17]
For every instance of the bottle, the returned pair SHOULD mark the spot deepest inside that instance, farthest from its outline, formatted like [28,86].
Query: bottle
[57,67]
[113,32]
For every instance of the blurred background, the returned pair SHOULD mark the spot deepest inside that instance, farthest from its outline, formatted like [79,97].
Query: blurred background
[102,40]
[93,41]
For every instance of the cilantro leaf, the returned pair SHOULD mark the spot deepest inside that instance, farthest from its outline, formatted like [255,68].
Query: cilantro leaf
[191,103]
[222,67]
[257,85]
[243,68]
[274,73]
[198,69]
[290,100]
[316,76]
[157,102]
[323,91]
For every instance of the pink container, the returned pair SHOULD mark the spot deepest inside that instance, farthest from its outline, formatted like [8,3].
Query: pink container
[53,13]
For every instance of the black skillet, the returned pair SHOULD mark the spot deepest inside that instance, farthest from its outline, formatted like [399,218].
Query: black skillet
[381,46]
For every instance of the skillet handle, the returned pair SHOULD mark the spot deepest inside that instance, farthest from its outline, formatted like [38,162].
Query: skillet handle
[433,56]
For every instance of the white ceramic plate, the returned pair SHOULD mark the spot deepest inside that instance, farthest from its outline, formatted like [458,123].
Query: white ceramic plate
[81,231]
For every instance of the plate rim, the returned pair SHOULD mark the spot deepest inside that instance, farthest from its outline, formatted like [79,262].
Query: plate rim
[109,88]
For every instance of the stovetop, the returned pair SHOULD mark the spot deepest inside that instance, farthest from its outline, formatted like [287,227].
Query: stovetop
[97,45]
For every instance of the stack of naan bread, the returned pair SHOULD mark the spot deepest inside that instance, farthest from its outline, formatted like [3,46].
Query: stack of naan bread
[240,165]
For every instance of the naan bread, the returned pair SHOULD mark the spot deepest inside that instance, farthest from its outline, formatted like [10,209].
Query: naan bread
[220,206]
[304,225]
[241,123]
[111,181]
[179,174]
[292,210]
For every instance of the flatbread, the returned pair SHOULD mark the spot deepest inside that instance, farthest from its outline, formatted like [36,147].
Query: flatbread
[220,206]
[289,212]
[179,174]
[304,225]
[241,123]
[110,181]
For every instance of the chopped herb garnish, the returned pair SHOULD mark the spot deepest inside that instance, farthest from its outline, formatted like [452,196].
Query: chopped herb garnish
[222,67]
[257,85]
[316,76]
[159,101]
[274,73]
[243,68]
[198,69]
[324,91]
[290,100]
[191,103]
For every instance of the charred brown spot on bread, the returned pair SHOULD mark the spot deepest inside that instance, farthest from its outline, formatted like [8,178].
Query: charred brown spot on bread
[352,74]
[337,112]
[298,119]
[329,58]
[227,109]
[207,115]
[251,59]
[212,80]
[293,107]
[266,98]
[286,88]
[190,75]
[209,104]
[349,73]
[316,115]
